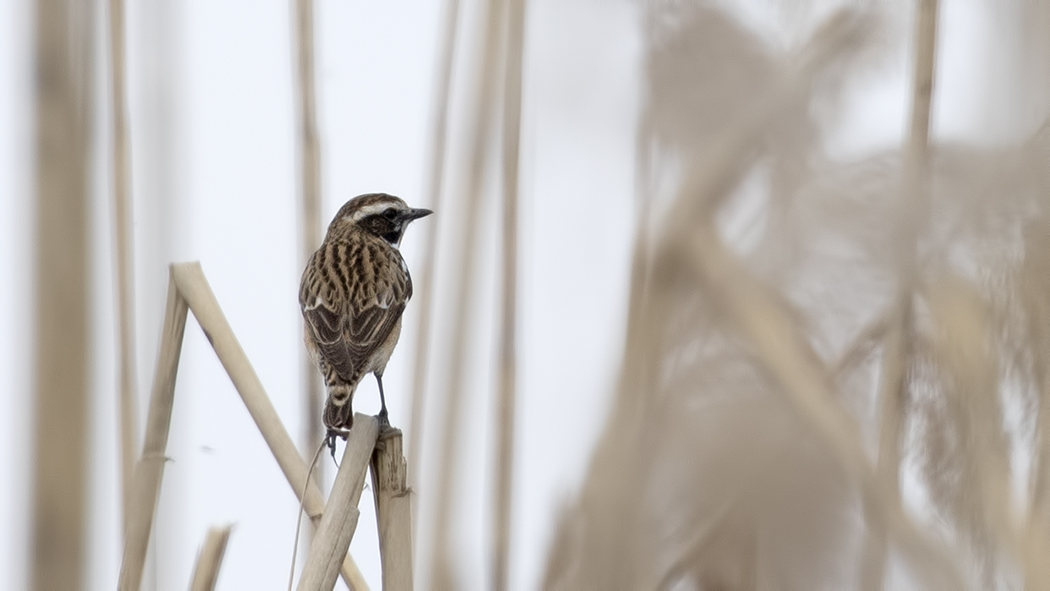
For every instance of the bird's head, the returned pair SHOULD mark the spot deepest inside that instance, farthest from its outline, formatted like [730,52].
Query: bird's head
[378,214]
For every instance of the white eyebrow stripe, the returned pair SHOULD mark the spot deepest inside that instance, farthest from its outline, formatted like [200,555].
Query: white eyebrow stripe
[370,210]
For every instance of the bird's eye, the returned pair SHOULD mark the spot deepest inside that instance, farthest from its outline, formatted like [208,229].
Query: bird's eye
[390,214]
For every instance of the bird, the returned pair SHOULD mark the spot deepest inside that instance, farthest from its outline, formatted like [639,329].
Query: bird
[353,292]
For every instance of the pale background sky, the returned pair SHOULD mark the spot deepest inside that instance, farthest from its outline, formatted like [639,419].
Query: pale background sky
[216,136]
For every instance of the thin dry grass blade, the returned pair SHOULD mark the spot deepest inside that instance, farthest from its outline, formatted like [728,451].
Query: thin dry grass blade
[150,468]
[336,529]
[393,511]
[64,72]
[206,572]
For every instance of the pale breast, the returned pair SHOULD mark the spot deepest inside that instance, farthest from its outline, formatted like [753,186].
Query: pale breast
[385,350]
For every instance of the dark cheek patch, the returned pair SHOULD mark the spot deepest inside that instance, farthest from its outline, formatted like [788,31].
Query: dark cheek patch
[392,237]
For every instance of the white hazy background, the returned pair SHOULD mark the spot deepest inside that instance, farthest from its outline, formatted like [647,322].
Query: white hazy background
[214,169]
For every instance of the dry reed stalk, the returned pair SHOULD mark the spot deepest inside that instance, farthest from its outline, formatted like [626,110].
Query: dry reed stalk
[507,370]
[441,571]
[424,285]
[194,287]
[393,501]
[189,289]
[895,348]
[150,468]
[309,206]
[206,572]
[1035,291]
[122,214]
[63,90]
[963,344]
[336,529]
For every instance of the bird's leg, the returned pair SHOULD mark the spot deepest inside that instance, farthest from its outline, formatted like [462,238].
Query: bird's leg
[384,420]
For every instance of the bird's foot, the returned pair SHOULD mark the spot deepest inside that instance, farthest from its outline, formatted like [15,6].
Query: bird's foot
[329,438]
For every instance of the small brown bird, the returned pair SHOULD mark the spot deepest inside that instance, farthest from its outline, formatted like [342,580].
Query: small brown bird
[353,292]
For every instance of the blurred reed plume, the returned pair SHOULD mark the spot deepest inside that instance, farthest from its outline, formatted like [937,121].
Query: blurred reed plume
[743,447]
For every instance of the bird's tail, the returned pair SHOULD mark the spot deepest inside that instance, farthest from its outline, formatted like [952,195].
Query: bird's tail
[338,409]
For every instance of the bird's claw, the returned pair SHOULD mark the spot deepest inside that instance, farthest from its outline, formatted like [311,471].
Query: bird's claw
[329,438]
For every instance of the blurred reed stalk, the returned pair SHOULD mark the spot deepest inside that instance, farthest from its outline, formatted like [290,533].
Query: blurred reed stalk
[597,541]
[339,522]
[124,247]
[206,572]
[464,295]
[189,290]
[691,238]
[309,207]
[424,284]
[63,78]
[507,370]
[896,348]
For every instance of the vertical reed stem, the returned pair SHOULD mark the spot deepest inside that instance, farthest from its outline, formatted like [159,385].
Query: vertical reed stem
[309,207]
[506,403]
[896,349]
[393,511]
[123,244]
[425,283]
[62,76]
[441,539]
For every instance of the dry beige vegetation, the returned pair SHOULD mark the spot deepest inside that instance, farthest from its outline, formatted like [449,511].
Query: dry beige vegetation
[849,393]
[834,374]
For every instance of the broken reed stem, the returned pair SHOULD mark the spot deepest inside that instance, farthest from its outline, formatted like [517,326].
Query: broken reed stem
[504,469]
[189,288]
[393,501]
[150,468]
[63,91]
[464,295]
[332,541]
[896,350]
[206,572]
[309,205]
[425,282]
[194,287]
[123,244]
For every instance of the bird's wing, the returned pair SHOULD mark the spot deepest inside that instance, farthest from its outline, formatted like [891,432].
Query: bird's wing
[351,308]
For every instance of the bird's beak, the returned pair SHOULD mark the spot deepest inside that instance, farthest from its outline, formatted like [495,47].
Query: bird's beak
[415,214]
